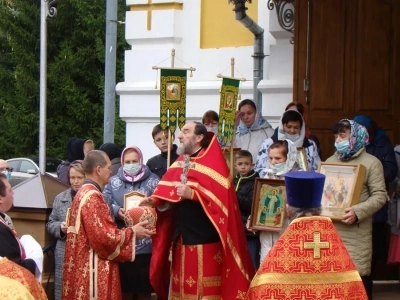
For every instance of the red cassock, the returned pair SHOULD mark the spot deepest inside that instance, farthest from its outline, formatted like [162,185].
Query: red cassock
[93,249]
[309,261]
[192,274]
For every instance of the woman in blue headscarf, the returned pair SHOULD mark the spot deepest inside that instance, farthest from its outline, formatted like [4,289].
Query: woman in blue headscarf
[252,128]
[355,228]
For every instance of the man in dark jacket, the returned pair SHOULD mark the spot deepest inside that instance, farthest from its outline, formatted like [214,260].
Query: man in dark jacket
[244,186]
[381,147]
[158,164]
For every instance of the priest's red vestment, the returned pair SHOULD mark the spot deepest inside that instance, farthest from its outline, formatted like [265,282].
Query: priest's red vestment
[212,186]
[93,249]
[14,271]
[308,262]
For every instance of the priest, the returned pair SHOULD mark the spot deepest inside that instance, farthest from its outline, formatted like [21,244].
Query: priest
[198,215]
[310,260]
[94,244]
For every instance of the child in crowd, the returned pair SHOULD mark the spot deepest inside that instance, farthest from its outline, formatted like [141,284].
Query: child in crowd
[158,164]
[244,186]
[282,158]
[291,127]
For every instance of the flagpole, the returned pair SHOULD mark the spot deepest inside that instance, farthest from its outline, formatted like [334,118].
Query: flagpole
[169,131]
[231,144]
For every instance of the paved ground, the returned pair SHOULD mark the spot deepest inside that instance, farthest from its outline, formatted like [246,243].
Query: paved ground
[386,290]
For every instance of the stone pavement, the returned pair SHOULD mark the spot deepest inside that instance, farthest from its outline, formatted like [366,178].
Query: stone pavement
[386,290]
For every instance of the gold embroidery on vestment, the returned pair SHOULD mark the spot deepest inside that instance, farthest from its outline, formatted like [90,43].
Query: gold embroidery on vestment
[316,245]
[304,278]
[236,256]
[224,181]
[118,248]
[190,281]
[211,281]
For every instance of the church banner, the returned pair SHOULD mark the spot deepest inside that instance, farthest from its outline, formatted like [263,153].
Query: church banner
[173,98]
[227,109]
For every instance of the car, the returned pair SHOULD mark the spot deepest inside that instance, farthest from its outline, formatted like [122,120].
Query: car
[24,168]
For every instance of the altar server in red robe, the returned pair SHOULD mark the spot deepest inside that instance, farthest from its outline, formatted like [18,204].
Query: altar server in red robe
[94,243]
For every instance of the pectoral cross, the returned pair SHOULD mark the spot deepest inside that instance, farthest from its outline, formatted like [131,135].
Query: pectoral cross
[185,164]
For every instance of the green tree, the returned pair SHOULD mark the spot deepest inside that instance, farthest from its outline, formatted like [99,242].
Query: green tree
[76,39]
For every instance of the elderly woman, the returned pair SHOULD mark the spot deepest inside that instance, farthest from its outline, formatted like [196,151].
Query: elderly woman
[57,226]
[355,228]
[133,175]
[252,129]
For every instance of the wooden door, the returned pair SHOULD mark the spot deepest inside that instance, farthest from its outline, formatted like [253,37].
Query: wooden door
[349,52]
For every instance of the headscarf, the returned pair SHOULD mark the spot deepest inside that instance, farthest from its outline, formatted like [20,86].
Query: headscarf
[258,123]
[142,170]
[112,150]
[75,149]
[282,134]
[369,124]
[359,138]
[290,164]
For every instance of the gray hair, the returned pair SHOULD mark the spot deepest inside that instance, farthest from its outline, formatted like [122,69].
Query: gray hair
[295,212]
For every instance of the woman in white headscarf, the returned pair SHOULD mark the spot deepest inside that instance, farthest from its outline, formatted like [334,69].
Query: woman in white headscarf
[252,128]
[291,127]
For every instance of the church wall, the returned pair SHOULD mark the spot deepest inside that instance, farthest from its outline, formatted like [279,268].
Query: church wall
[181,30]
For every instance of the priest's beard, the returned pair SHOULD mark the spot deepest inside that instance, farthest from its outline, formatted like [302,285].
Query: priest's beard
[188,148]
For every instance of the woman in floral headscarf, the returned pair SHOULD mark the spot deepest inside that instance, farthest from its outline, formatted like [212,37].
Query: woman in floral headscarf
[252,128]
[356,226]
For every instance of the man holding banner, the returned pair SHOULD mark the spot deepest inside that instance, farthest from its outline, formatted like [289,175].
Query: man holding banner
[198,213]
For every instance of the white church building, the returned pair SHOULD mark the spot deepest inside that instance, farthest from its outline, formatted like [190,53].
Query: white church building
[205,35]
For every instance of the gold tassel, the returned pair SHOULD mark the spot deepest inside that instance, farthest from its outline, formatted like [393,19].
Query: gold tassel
[239,97]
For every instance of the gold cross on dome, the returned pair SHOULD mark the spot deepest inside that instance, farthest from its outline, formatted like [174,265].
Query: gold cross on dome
[149,7]
[316,244]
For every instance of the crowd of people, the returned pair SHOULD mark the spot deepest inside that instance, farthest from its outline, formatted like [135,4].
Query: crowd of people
[204,245]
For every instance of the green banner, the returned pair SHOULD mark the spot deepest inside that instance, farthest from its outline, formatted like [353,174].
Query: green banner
[227,109]
[173,98]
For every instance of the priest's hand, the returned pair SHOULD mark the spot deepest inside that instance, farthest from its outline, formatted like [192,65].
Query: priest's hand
[349,217]
[142,232]
[63,227]
[121,213]
[184,191]
[147,202]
